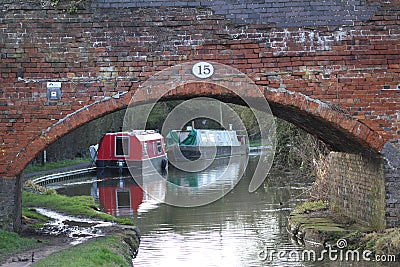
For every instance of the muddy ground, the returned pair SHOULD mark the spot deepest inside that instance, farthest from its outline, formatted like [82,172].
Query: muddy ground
[59,235]
[48,245]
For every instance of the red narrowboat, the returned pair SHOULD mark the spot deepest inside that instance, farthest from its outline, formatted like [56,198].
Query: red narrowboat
[130,153]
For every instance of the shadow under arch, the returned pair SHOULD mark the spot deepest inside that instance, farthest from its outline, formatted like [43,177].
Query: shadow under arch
[333,125]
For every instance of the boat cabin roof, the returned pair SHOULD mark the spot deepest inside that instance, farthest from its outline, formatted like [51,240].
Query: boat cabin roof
[148,137]
[203,137]
[142,136]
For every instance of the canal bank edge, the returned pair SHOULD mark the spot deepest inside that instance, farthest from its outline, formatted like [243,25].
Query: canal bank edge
[129,235]
[114,249]
[117,248]
[313,222]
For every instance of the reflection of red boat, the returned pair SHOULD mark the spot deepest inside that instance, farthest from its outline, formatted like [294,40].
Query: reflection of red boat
[120,197]
[123,196]
[126,153]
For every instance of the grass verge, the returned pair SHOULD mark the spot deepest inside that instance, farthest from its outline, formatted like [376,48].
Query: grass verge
[385,242]
[310,206]
[55,165]
[313,221]
[35,219]
[82,206]
[11,243]
[108,251]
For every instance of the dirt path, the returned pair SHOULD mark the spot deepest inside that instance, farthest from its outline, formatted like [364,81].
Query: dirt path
[54,243]
[50,245]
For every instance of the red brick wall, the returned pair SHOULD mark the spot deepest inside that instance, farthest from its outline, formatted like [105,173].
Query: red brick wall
[352,63]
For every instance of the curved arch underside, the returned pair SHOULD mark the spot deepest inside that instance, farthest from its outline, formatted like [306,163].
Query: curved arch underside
[335,127]
[339,130]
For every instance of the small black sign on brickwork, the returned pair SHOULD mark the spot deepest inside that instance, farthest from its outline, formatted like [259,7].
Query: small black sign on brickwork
[53,91]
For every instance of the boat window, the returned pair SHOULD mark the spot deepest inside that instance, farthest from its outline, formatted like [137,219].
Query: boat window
[212,138]
[159,147]
[204,137]
[122,146]
[123,199]
[144,149]
[224,139]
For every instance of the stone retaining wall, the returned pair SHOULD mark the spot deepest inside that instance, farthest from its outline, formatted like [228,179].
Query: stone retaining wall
[10,203]
[357,187]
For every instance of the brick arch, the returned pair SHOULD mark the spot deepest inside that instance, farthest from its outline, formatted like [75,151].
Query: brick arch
[337,128]
[67,124]
[333,126]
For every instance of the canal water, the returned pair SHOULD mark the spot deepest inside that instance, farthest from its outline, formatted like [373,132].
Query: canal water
[240,229]
[233,231]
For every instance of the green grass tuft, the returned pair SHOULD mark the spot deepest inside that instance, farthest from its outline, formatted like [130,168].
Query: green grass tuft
[386,242]
[55,165]
[32,214]
[109,251]
[311,206]
[83,206]
[12,243]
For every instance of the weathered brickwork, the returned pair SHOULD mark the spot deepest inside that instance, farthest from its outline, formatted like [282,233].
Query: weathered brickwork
[282,13]
[8,205]
[102,51]
[357,186]
[330,67]
[392,179]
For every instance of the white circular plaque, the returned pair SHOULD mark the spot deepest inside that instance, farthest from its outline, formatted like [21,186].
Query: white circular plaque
[203,70]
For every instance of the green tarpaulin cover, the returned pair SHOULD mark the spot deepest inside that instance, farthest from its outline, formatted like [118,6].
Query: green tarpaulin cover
[172,138]
[191,139]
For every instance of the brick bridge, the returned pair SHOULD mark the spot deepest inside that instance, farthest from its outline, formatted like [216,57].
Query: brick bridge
[329,67]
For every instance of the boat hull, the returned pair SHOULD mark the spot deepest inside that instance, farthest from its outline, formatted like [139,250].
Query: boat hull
[113,168]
